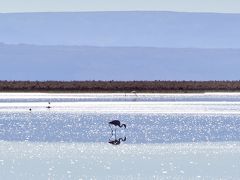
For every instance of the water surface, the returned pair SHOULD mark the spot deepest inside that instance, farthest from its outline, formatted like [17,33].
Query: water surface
[177,136]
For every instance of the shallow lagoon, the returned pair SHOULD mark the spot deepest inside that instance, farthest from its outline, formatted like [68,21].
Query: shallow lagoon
[168,136]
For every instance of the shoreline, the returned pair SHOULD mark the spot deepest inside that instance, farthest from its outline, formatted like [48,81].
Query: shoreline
[120,86]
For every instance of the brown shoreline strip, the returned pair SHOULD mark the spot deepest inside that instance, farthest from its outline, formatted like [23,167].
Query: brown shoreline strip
[120,86]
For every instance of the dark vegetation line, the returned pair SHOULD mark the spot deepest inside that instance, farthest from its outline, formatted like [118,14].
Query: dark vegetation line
[119,86]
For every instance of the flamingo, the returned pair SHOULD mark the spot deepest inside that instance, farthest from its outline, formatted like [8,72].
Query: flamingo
[134,92]
[116,123]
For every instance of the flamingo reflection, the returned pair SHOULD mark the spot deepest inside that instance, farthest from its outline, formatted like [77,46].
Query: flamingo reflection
[117,141]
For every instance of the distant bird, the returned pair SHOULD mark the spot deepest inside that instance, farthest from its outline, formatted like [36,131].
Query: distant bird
[48,107]
[116,123]
[30,109]
[134,92]
[117,141]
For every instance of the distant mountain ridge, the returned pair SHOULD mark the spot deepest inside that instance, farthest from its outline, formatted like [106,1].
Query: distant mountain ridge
[31,62]
[138,29]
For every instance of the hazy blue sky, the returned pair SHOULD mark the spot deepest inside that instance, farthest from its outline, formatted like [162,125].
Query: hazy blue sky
[229,6]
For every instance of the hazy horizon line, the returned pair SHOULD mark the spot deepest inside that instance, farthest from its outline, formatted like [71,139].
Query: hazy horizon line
[119,11]
[95,46]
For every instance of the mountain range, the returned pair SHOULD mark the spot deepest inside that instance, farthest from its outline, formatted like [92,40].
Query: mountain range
[31,62]
[119,46]
[131,29]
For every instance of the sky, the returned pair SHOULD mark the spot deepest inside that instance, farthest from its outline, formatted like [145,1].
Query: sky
[219,6]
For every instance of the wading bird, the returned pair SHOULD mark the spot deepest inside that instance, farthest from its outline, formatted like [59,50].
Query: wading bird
[134,92]
[116,123]
[48,107]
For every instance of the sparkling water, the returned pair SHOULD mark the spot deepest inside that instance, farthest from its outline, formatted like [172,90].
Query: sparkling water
[168,136]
